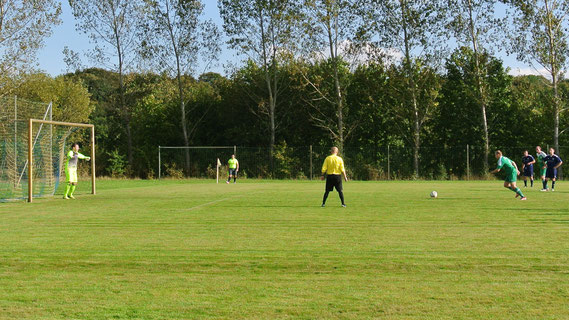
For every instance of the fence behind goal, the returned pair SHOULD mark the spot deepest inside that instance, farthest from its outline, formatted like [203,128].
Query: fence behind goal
[391,162]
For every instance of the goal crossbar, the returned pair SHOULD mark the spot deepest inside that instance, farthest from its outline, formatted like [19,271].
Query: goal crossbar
[31,149]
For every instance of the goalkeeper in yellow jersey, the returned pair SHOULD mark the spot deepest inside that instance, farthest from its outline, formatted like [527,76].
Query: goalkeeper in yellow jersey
[73,157]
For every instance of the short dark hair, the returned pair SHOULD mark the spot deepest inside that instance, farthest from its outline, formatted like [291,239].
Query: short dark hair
[498,152]
[75,144]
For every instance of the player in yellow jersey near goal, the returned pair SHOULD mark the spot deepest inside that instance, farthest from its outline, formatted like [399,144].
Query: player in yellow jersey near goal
[233,169]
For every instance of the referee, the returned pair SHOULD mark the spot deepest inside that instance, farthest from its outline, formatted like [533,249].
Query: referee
[332,169]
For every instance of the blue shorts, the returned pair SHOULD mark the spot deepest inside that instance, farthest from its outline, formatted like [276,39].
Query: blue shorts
[233,172]
[551,173]
[528,171]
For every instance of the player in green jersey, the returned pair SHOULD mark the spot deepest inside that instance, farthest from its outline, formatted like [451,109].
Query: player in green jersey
[540,156]
[73,157]
[233,169]
[512,172]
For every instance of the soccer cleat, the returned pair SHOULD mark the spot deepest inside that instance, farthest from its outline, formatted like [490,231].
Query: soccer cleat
[343,206]
[65,197]
[552,190]
[543,190]
[71,197]
[323,205]
[524,198]
[227,182]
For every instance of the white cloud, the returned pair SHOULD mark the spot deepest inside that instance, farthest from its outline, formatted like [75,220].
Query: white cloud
[523,71]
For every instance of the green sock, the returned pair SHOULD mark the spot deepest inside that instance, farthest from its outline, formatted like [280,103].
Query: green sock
[518,191]
[72,189]
[67,188]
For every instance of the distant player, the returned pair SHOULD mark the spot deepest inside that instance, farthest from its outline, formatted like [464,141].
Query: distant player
[527,168]
[233,169]
[332,170]
[539,157]
[511,170]
[73,157]
[552,162]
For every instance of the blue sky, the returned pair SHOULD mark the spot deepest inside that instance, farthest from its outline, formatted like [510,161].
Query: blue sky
[50,58]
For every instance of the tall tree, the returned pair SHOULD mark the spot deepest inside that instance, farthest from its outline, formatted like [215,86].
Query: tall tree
[328,26]
[474,24]
[112,25]
[412,28]
[539,35]
[175,38]
[263,31]
[23,27]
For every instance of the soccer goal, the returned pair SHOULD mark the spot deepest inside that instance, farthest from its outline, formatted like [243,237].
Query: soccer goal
[195,161]
[48,142]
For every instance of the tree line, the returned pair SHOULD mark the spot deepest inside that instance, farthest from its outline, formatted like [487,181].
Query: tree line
[419,76]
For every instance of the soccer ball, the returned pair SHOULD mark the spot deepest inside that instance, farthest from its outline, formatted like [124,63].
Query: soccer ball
[434,194]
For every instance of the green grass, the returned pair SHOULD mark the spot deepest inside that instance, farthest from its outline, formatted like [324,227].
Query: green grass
[266,250]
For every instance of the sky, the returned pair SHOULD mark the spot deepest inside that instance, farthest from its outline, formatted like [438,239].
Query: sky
[50,58]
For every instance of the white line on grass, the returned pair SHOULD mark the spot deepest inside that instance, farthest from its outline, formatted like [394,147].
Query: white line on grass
[209,203]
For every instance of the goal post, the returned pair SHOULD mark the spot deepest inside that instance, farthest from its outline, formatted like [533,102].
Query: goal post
[33,140]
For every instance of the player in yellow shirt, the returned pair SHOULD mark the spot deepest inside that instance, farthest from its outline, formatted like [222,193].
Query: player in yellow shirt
[233,169]
[333,169]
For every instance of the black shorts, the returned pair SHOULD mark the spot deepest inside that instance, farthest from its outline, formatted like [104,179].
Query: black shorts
[551,173]
[233,172]
[528,171]
[334,181]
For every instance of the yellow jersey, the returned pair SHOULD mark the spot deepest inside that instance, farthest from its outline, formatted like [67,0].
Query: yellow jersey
[333,165]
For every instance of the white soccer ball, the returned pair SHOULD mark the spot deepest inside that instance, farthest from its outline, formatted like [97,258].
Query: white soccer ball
[434,194]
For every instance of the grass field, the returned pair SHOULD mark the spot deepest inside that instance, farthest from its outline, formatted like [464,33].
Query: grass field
[265,250]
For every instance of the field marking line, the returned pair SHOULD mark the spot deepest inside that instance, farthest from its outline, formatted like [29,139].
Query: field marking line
[215,201]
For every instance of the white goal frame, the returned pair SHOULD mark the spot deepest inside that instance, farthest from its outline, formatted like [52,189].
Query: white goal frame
[31,149]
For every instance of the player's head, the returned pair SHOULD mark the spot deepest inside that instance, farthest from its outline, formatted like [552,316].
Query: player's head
[498,154]
[232,156]
[538,149]
[551,151]
[75,147]
[526,153]
[334,150]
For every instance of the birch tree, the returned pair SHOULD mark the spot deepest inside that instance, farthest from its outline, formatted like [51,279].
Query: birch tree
[539,36]
[175,39]
[112,27]
[473,24]
[263,31]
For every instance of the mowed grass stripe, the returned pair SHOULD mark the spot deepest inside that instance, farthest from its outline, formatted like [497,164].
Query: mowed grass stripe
[267,250]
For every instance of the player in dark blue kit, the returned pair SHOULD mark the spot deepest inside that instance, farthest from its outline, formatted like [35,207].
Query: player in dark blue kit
[552,162]
[527,168]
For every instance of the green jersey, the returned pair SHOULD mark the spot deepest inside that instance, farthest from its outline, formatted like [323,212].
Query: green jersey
[506,164]
[233,163]
[509,169]
[539,158]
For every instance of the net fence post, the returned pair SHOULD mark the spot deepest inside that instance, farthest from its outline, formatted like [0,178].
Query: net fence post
[388,163]
[235,150]
[30,158]
[467,162]
[159,164]
[93,167]
[310,162]
[15,141]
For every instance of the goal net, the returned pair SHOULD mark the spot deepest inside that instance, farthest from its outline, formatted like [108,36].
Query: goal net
[33,155]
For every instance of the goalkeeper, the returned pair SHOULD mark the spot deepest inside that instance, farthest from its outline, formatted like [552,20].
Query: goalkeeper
[73,157]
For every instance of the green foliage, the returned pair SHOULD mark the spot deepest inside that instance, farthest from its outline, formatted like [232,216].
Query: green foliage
[117,164]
